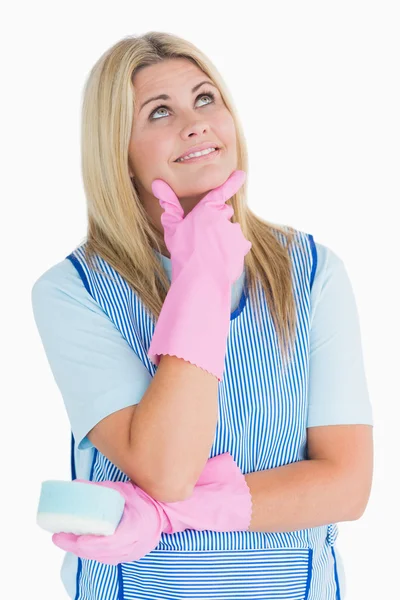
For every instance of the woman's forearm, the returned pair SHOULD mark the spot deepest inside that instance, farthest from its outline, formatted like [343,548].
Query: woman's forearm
[173,427]
[304,494]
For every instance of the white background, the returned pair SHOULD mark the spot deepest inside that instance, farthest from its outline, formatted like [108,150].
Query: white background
[316,85]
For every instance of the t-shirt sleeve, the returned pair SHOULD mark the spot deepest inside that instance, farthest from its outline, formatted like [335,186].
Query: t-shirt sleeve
[94,367]
[338,391]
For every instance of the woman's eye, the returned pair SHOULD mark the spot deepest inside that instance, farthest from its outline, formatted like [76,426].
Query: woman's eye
[207,95]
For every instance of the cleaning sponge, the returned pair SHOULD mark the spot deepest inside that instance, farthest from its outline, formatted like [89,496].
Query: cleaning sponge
[79,508]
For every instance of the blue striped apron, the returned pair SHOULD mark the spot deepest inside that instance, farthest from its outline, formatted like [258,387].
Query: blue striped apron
[262,416]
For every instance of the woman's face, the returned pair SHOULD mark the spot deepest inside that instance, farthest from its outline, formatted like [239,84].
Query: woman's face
[161,135]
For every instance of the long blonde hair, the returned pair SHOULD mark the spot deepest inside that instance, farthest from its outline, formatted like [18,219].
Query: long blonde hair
[119,230]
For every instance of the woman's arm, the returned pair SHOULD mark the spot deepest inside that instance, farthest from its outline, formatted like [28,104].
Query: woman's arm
[103,385]
[173,427]
[333,486]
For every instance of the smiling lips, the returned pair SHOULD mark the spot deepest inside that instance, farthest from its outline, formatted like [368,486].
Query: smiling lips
[204,157]
[199,148]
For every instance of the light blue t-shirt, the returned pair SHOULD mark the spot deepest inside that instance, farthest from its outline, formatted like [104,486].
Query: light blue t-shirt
[98,373]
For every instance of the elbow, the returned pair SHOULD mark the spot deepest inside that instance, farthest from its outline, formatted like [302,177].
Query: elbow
[170,494]
[359,510]
[355,515]
[359,506]
[162,492]
[364,496]
[160,488]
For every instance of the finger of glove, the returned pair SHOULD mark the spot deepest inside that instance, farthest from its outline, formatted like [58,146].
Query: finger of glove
[227,211]
[218,468]
[168,200]
[92,546]
[65,541]
[233,238]
[124,545]
[247,246]
[78,543]
[219,195]
[135,551]
[241,241]
[81,549]
[170,221]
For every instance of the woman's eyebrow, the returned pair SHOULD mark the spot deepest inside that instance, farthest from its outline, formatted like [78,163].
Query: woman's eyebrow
[165,97]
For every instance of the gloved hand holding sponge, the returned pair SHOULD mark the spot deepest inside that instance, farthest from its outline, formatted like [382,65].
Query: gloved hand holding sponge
[114,521]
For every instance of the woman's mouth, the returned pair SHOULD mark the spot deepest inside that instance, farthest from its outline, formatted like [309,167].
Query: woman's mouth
[210,156]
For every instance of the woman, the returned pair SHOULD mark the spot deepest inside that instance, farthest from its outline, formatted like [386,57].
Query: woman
[287,399]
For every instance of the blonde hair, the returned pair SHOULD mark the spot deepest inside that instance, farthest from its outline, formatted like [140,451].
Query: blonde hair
[119,230]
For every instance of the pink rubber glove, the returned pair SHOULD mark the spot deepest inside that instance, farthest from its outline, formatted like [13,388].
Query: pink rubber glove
[221,501]
[207,253]
[137,533]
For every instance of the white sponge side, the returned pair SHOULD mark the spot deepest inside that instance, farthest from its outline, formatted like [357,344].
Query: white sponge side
[79,508]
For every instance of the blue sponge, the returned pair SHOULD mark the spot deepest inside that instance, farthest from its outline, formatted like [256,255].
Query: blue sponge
[79,508]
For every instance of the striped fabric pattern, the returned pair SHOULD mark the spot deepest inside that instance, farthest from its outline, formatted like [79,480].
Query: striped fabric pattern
[262,410]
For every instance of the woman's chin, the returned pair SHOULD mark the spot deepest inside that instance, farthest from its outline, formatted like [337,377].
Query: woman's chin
[206,180]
